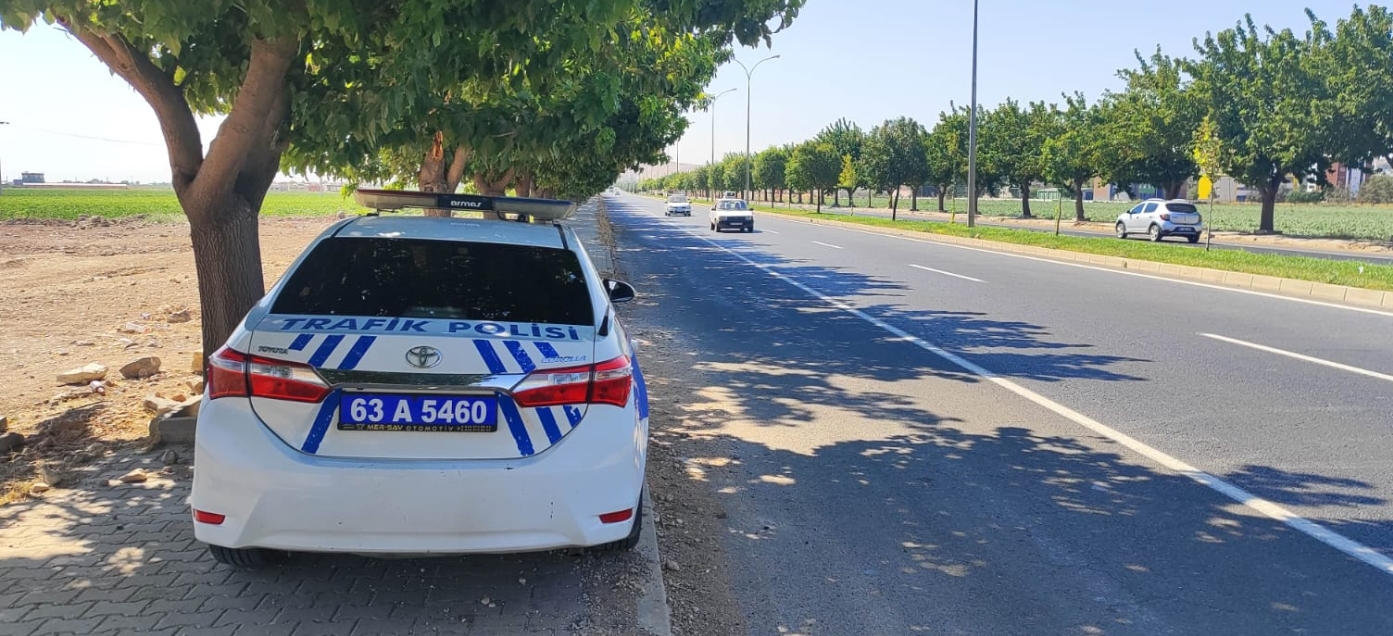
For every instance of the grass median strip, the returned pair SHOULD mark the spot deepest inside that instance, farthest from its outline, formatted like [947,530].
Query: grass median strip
[1352,274]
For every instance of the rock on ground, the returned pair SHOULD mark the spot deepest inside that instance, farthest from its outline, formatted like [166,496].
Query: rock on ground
[82,375]
[142,367]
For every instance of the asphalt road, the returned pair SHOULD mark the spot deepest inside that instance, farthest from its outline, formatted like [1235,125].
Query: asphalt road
[1377,258]
[933,439]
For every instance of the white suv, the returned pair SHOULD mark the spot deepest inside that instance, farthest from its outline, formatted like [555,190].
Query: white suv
[426,385]
[1158,219]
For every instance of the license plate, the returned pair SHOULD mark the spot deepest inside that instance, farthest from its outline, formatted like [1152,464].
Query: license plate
[389,412]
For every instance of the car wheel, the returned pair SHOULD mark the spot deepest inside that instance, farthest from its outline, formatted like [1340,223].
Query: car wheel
[1121,230]
[249,558]
[635,533]
[1193,239]
[1155,234]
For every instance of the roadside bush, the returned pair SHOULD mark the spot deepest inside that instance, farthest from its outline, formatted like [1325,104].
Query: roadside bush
[1337,194]
[1302,196]
[1378,189]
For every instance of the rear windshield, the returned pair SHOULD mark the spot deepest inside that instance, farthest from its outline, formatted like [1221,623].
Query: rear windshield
[1181,207]
[677,199]
[415,278]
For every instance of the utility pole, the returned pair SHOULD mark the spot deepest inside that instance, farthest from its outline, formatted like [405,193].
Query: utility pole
[972,132]
[710,186]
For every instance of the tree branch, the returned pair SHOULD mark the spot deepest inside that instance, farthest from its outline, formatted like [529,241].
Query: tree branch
[181,136]
[456,171]
[256,115]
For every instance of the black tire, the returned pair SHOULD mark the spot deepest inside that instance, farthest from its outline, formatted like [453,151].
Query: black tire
[1121,230]
[1193,239]
[630,542]
[1155,233]
[242,557]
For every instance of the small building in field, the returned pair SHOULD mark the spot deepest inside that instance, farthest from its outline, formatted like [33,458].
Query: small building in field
[31,177]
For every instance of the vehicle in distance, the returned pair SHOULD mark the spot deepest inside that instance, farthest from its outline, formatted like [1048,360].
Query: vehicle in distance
[732,214]
[678,204]
[730,194]
[426,386]
[1158,218]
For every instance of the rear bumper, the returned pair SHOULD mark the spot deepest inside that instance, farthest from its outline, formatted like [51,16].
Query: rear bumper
[274,496]
[1169,229]
[735,223]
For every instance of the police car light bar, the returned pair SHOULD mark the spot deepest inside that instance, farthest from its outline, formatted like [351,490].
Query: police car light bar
[536,209]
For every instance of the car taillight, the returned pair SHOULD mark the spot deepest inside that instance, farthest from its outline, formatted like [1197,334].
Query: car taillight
[232,373]
[1165,216]
[603,383]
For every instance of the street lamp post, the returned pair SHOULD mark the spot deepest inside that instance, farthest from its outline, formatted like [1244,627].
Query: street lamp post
[2,172]
[972,132]
[749,74]
[713,134]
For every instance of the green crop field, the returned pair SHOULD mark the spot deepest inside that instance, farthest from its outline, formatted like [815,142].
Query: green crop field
[155,203]
[1372,222]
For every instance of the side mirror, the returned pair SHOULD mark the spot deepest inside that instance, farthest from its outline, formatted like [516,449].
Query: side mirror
[619,291]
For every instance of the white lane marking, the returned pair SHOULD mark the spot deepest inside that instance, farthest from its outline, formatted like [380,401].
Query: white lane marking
[1115,271]
[1267,508]
[770,231]
[1298,356]
[939,271]
[835,247]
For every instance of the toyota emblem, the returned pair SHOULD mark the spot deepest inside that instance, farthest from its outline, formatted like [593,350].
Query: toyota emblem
[423,357]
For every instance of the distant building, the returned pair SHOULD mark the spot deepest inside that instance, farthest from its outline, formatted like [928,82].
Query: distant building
[31,177]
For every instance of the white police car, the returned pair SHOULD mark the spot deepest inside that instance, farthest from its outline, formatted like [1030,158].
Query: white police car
[426,385]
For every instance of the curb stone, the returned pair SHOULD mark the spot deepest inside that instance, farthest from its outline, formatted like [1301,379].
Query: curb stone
[1354,296]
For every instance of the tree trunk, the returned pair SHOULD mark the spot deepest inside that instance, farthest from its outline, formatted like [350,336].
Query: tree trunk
[228,266]
[942,194]
[836,197]
[522,183]
[894,204]
[1173,189]
[819,201]
[914,199]
[1078,202]
[1266,221]
[493,184]
[431,177]
[1025,201]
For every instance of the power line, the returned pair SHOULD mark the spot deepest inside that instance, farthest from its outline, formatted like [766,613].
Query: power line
[88,137]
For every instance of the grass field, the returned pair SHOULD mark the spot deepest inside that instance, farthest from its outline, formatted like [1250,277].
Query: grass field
[158,204]
[1313,220]
[1301,268]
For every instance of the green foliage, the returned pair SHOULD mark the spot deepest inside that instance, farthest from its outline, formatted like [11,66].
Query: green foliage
[1306,196]
[1011,141]
[945,149]
[895,155]
[844,136]
[814,165]
[1071,154]
[1148,128]
[1353,63]
[770,168]
[1259,87]
[847,178]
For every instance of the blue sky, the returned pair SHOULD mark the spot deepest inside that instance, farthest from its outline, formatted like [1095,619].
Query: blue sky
[867,60]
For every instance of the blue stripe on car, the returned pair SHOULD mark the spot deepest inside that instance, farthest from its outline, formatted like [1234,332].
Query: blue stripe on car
[547,350]
[325,350]
[321,423]
[641,393]
[549,424]
[355,355]
[491,358]
[525,361]
[572,414]
[514,419]
[301,341]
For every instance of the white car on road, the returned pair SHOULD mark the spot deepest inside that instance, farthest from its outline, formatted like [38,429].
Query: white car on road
[678,205]
[732,213]
[1158,218]
[426,386]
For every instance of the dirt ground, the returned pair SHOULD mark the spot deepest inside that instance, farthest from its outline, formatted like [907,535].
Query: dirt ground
[105,292]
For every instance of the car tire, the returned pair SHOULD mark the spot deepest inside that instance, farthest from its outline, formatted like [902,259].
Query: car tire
[1193,239]
[248,558]
[1121,230]
[635,533]
[1155,233]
